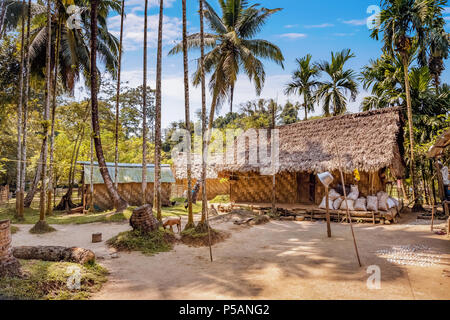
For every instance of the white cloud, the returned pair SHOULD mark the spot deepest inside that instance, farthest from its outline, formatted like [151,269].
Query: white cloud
[134,31]
[343,34]
[293,35]
[290,26]
[318,26]
[361,22]
[447,10]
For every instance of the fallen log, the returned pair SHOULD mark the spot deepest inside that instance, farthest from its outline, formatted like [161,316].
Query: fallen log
[54,253]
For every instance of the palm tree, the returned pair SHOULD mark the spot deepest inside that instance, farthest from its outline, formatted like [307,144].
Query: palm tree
[144,111]
[333,92]
[157,185]
[19,195]
[303,83]
[119,203]
[51,182]
[437,40]
[190,224]
[402,22]
[41,225]
[203,88]
[116,133]
[233,49]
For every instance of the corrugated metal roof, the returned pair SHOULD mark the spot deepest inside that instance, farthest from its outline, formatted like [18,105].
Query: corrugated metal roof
[127,173]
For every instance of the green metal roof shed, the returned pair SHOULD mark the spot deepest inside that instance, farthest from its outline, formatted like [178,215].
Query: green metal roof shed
[127,173]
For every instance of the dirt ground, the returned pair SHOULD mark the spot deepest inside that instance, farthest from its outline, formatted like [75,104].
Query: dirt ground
[278,260]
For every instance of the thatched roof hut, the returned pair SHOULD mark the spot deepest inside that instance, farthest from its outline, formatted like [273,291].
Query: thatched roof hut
[441,143]
[367,141]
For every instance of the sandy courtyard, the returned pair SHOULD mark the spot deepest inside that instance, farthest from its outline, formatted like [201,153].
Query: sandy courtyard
[279,260]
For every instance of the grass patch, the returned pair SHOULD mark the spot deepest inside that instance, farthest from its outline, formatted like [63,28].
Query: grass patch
[44,280]
[14,229]
[31,215]
[151,243]
[192,237]
[225,198]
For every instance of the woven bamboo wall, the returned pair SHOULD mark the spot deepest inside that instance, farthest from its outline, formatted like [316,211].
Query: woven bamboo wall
[4,194]
[131,192]
[256,188]
[214,188]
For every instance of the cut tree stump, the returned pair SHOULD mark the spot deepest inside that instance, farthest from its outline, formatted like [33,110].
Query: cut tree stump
[54,253]
[96,237]
[9,266]
[143,219]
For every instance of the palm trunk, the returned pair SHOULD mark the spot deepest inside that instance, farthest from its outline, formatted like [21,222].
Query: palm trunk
[410,125]
[231,97]
[45,126]
[119,71]
[190,223]
[144,112]
[119,203]
[25,107]
[157,184]
[204,145]
[51,181]
[19,195]
[37,176]
[3,9]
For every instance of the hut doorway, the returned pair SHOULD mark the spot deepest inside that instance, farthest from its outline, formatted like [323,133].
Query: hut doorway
[306,188]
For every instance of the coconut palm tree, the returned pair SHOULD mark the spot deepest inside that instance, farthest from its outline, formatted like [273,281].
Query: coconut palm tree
[203,116]
[119,69]
[119,203]
[41,225]
[341,82]
[190,224]
[402,22]
[234,49]
[19,212]
[157,184]
[144,110]
[303,83]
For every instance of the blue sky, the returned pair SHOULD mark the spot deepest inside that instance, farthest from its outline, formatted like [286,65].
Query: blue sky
[302,27]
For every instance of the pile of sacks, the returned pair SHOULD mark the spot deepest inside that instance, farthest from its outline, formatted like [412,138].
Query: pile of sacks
[380,202]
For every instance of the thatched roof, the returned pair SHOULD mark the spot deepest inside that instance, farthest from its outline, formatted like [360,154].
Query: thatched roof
[180,166]
[367,141]
[441,143]
[127,173]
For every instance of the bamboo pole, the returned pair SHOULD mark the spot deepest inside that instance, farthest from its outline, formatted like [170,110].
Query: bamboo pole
[346,202]
[328,213]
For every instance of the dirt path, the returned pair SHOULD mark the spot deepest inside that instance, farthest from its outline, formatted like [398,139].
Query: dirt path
[279,260]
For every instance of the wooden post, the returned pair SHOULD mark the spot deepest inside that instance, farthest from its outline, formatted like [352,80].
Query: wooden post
[432,217]
[328,213]
[346,202]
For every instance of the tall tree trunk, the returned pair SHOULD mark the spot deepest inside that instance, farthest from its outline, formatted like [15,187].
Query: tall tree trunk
[157,184]
[37,176]
[19,195]
[190,223]
[204,145]
[3,9]
[306,108]
[144,112]
[410,125]
[119,71]
[23,170]
[119,203]
[51,180]
[45,121]
[231,97]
